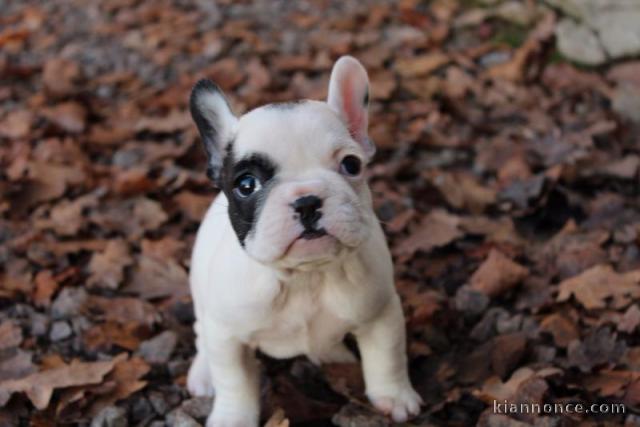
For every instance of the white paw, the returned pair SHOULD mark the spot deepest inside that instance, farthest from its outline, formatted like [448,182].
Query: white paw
[401,404]
[199,382]
[228,420]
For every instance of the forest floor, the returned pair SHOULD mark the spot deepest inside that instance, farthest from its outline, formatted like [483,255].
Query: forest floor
[506,180]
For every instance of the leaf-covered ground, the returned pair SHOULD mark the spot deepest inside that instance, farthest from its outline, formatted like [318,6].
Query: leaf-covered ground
[506,179]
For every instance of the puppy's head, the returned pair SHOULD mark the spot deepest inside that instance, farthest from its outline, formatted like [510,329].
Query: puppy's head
[293,173]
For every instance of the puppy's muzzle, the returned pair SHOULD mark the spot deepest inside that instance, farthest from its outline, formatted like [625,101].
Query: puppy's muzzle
[308,211]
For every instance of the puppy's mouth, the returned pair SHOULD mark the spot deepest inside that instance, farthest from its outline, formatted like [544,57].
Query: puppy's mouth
[310,234]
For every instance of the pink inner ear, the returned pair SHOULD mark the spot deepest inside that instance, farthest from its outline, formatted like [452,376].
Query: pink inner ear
[353,110]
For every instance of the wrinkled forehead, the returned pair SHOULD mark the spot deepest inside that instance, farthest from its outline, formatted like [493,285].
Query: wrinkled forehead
[300,133]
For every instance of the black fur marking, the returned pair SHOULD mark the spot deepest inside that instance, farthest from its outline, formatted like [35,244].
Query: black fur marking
[208,126]
[244,212]
[366,98]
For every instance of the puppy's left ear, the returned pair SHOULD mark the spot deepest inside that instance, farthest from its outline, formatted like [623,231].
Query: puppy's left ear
[216,122]
[349,97]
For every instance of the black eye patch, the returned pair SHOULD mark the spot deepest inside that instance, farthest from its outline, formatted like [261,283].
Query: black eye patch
[244,211]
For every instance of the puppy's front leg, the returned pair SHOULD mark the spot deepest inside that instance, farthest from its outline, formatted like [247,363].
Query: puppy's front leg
[235,373]
[382,346]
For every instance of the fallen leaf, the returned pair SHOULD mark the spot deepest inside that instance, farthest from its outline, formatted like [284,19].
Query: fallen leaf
[193,205]
[630,320]
[39,386]
[495,389]
[107,267]
[69,116]
[418,66]
[46,287]
[123,310]
[154,278]
[507,352]
[60,76]
[497,274]
[594,286]
[278,419]
[10,334]
[437,229]
[17,124]
[561,328]
[599,347]
[609,383]
[126,374]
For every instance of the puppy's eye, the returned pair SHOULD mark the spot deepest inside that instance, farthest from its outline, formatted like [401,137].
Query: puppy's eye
[246,185]
[351,165]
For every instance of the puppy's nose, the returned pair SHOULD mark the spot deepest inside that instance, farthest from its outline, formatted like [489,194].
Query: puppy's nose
[308,207]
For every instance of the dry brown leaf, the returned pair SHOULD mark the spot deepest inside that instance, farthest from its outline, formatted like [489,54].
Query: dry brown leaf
[10,334]
[439,228]
[66,217]
[39,386]
[102,337]
[610,383]
[561,328]
[594,286]
[49,181]
[630,320]
[107,267]
[17,124]
[124,310]
[462,191]
[278,419]
[494,389]
[46,287]
[497,274]
[126,375]
[60,76]
[69,116]
[166,247]
[418,66]
[153,278]
[193,205]
[175,121]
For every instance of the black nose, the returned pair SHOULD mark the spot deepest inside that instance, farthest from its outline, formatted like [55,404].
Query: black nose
[308,207]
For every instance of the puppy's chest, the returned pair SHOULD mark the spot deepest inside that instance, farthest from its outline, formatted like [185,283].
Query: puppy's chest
[302,321]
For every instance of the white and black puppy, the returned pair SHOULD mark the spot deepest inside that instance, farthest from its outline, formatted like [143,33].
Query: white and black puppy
[290,256]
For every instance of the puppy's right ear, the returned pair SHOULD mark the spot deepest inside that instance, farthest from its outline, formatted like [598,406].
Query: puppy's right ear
[216,122]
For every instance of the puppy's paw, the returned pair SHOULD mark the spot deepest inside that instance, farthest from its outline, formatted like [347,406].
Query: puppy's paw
[401,404]
[226,420]
[199,381]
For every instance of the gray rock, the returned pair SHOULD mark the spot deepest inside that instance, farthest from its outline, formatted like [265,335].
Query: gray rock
[619,31]
[141,409]
[579,43]
[60,330]
[598,30]
[158,402]
[158,349]
[179,418]
[69,302]
[626,101]
[471,302]
[352,415]
[111,416]
[39,324]
[198,407]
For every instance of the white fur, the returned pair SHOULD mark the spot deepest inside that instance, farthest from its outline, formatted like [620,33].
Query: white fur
[289,302]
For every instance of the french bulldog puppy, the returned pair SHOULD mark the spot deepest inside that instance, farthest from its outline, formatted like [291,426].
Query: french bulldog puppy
[290,256]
